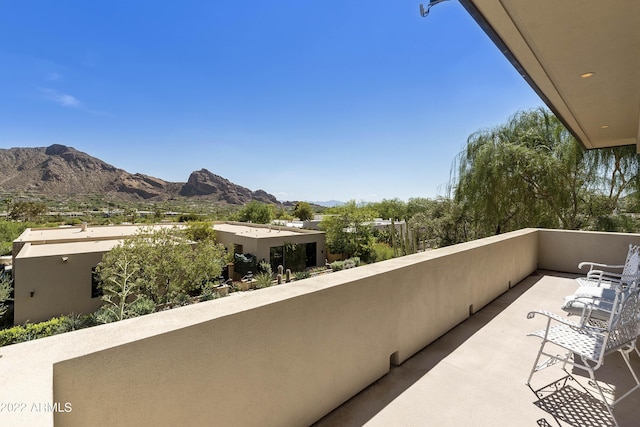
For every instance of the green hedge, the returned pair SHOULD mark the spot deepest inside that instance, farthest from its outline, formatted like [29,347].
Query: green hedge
[30,331]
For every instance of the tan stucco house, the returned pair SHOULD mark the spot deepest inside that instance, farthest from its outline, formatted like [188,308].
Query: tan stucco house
[53,267]
[267,242]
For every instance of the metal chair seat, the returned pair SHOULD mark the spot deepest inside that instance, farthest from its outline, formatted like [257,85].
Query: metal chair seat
[581,341]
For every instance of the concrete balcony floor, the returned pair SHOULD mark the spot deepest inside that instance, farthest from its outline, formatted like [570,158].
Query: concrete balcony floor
[476,373]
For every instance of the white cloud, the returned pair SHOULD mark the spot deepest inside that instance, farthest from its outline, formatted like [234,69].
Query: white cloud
[70,101]
[54,77]
[63,99]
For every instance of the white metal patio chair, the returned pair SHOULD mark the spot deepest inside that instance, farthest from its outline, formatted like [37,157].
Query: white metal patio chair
[585,346]
[597,291]
[610,276]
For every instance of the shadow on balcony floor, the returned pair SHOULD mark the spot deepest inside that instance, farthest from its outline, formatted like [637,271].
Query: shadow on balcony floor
[476,373]
[566,400]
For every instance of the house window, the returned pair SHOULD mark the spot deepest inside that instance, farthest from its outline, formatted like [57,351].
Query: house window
[276,257]
[311,257]
[96,290]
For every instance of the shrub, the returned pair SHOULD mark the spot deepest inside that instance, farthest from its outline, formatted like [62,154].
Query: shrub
[209,292]
[143,305]
[180,300]
[382,251]
[73,322]
[104,315]
[189,217]
[337,265]
[263,280]
[349,263]
[301,275]
[30,331]
[265,267]
[6,302]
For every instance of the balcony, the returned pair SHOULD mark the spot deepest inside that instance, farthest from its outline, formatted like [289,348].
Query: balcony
[437,338]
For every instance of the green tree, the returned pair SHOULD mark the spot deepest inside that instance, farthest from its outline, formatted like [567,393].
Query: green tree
[131,214]
[348,230]
[283,214]
[440,223]
[200,231]
[9,231]
[172,266]
[532,172]
[391,209]
[418,204]
[160,264]
[6,291]
[303,211]
[256,212]
[26,210]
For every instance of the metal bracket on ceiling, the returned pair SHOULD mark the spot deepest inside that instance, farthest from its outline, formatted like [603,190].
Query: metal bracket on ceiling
[424,12]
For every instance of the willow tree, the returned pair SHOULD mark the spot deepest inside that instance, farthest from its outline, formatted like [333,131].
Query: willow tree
[531,172]
[440,223]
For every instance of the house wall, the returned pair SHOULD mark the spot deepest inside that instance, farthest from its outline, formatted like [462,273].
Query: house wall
[59,288]
[260,247]
[289,354]
[265,245]
[249,244]
[563,250]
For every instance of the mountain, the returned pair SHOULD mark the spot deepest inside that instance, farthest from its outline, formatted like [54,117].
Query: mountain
[206,184]
[61,170]
[329,203]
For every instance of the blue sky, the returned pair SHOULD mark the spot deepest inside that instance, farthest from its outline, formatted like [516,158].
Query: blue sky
[315,100]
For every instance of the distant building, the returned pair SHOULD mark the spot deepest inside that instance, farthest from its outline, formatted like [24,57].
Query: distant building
[267,242]
[54,267]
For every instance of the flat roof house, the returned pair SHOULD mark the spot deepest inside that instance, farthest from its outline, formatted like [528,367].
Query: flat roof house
[268,242]
[451,321]
[53,267]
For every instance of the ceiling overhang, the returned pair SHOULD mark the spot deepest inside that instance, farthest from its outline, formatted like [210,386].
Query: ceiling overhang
[554,44]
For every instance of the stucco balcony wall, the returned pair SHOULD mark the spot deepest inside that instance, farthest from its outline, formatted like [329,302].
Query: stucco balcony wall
[288,355]
[563,250]
[282,356]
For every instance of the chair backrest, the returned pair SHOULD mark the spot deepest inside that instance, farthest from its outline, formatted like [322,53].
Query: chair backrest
[631,270]
[623,325]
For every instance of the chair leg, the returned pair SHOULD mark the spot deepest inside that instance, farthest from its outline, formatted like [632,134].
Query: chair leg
[600,391]
[535,363]
[552,360]
[625,352]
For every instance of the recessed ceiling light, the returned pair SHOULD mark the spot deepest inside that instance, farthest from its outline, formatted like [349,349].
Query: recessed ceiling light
[604,126]
[587,75]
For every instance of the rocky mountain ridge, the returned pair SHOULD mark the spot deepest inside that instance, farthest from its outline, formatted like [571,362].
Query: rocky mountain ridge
[60,170]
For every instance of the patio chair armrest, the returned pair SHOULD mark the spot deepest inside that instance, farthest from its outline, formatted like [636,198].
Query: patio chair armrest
[591,265]
[552,316]
[591,309]
[582,326]
[607,277]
